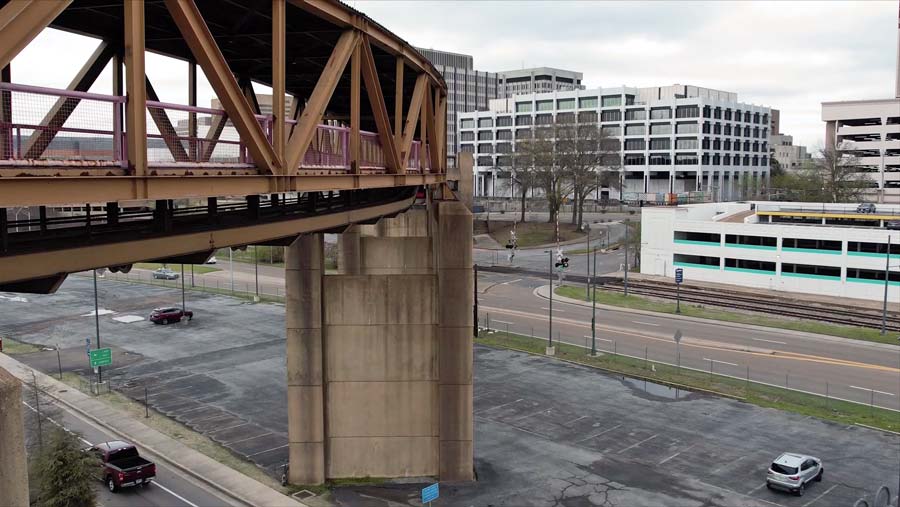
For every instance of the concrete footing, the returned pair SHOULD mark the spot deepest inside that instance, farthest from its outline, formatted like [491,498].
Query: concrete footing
[550,351]
[13,462]
[380,355]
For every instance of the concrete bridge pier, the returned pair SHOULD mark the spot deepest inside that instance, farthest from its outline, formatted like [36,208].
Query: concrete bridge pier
[13,463]
[386,390]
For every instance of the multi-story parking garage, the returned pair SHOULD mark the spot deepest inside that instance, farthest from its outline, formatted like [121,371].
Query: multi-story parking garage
[824,249]
[674,138]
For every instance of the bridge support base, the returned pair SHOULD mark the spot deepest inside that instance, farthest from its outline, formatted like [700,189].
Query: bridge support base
[383,386]
[13,464]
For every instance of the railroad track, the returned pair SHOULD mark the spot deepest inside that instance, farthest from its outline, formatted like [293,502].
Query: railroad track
[775,306]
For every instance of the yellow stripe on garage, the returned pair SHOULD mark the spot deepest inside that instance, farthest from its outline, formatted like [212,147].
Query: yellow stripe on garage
[814,214]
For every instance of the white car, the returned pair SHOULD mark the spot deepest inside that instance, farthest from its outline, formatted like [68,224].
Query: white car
[792,472]
[211,260]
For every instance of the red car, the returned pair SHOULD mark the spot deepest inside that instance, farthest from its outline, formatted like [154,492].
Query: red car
[121,465]
[169,314]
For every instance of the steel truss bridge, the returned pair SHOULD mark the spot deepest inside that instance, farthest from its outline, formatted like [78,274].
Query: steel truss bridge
[175,181]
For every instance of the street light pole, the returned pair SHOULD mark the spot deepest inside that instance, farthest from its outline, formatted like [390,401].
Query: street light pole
[626,257]
[594,308]
[887,270]
[183,306]
[587,286]
[97,324]
[550,309]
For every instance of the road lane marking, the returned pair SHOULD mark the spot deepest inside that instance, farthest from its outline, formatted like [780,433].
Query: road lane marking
[511,281]
[498,406]
[769,341]
[775,354]
[557,310]
[176,495]
[807,504]
[717,361]
[639,443]
[598,434]
[599,339]
[871,390]
[645,323]
[503,322]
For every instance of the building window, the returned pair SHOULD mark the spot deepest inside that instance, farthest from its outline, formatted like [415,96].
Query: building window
[686,144]
[746,161]
[611,130]
[755,160]
[756,118]
[686,159]
[746,131]
[543,119]
[696,260]
[634,159]
[727,129]
[756,146]
[660,159]
[746,145]
[485,148]
[629,100]
[467,148]
[485,135]
[635,114]
[687,111]
[612,100]
[634,144]
[748,265]
[587,102]
[764,161]
[661,144]
[716,159]
[686,128]
[727,146]
[565,104]
[635,130]
[523,133]
[660,129]
[707,111]
[717,128]
[523,120]
[705,143]
[504,161]
[705,160]
[485,123]
[717,113]
[611,116]
[467,136]
[717,144]
[747,117]
[728,114]
[706,127]
[504,135]
[590,116]
[504,148]
[485,161]
[737,115]
[523,107]
[661,113]
[504,121]
[765,119]
[467,123]
[726,160]
[565,118]
[544,105]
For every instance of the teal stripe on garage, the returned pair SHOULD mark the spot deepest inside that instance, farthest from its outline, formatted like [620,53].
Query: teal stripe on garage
[811,250]
[867,254]
[751,247]
[815,277]
[870,281]
[751,271]
[692,265]
[692,242]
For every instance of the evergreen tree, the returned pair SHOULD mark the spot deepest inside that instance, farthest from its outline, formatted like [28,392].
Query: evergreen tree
[65,473]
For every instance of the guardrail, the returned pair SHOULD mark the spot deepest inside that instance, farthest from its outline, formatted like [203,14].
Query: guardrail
[51,127]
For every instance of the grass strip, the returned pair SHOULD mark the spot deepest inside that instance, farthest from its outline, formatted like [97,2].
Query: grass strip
[13,347]
[691,310]
[198,269]
[765,396]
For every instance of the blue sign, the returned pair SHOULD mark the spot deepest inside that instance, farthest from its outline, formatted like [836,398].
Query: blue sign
[430,493]
[679,275]
[87,346]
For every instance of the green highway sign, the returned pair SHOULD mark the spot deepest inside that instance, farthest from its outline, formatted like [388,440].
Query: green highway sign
[101,357]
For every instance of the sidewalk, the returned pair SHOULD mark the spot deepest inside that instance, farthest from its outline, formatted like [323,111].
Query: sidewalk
[220,477]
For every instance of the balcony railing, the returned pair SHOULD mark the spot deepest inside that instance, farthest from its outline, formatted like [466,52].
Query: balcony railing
[50,127]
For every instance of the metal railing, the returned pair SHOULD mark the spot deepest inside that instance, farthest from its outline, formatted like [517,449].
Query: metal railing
[52,127]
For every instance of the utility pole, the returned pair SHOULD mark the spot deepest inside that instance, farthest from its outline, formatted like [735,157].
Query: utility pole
[97,324]
[587,286]
[256,268]
[887,272]
[475,300]
[231,267]
[626,257]
[594,309]
[550,310]
[183,306]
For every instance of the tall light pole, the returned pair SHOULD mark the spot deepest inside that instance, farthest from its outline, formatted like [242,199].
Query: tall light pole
[97,324]
[550,309]
[626,257]
[587,286]
[594,308]
[183,307]
[887,272]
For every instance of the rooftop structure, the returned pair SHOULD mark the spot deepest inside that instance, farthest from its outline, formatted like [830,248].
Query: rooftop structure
[815,248]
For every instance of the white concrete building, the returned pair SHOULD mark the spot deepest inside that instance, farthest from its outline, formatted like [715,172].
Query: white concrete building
[789,156]
[870,131]
[775,245]
[674,139]
[537,80]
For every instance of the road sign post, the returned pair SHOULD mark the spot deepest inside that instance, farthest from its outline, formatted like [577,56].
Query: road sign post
[679,277]
[677,339]
[101,357]
[430,494]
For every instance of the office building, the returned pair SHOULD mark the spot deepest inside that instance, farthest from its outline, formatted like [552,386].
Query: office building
[537,80]
[789,156]
[674,139]
[814,248]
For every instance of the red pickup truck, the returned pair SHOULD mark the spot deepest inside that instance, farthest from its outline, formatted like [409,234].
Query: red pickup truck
[121,466]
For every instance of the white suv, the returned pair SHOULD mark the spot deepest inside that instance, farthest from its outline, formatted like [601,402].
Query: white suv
[792,472]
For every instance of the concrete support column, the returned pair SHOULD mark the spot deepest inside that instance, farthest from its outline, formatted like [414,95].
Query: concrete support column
[13,465]
[453,240]
[348,251]
[304,267]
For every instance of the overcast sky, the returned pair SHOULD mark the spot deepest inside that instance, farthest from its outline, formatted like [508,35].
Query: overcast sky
[787,55]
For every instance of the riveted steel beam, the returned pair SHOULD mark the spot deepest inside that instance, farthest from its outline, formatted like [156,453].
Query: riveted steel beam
[21,21]
[379,109]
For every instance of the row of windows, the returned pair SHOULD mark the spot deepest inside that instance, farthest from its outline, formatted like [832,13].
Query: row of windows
[612,116]
[801,243]
[788,269]
[691,159]
[746,117]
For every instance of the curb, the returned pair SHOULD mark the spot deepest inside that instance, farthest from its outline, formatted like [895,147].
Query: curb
[723,323]
[162,457]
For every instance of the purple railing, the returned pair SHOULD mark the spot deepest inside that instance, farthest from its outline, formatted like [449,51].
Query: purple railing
[50,126]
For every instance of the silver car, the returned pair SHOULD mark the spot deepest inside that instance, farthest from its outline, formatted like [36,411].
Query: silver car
[165,274]
[792,472]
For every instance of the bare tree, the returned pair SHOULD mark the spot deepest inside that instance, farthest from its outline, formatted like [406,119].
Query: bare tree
[590,158]
[831,177]
[538,157]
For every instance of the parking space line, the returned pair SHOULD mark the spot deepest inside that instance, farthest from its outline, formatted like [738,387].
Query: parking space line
[513,426]
[248,438]
[719,469]
[267,450]
[530,415]
[639,443]
[754,490]
[807,504]
[598,434]
[498,406]
[676,454]
[574,420]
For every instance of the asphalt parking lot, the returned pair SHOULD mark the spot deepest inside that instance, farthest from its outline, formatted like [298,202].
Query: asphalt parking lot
[547,433]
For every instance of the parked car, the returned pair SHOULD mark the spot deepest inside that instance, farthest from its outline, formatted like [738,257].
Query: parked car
[122,466]
[792,472]
[169,314]
[892,224]
[165,274]
[865,207]
[211,260]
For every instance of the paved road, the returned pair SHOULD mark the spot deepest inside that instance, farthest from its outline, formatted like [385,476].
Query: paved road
[850,368]
[171,488]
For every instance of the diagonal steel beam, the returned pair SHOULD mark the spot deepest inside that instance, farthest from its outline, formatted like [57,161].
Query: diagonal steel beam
[434,148]
[21,21]
[164,125]
[318,100]
[208,55]
[59,113]
[216,126]
[379,109]
[412,116]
